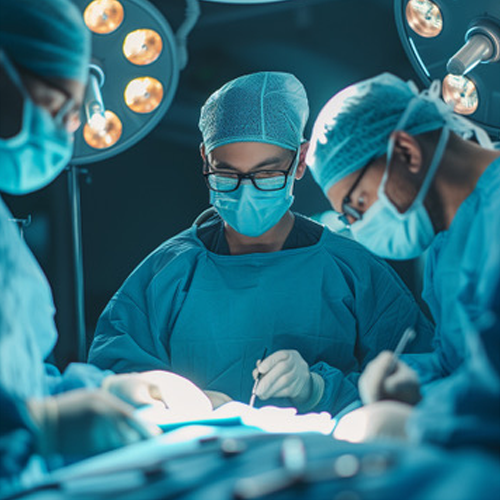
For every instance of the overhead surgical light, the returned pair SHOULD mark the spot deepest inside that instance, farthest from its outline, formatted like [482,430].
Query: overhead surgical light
[461,92]
[457,42]
[103,16]
[482,45]
[134,74]
[133,77]
[144,95]
[424,18]
[142,47]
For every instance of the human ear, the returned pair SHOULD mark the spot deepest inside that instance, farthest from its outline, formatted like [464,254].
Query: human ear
[407,151]
[202,152]
[301,167]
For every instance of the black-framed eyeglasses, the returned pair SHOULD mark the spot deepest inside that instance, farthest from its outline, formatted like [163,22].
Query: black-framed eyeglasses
[263,180]
[347,209]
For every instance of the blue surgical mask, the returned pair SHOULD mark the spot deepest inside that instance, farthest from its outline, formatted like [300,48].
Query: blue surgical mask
[38,153]
[252,212]
[391,234]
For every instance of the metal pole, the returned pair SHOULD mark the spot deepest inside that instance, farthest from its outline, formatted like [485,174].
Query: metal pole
[76,228]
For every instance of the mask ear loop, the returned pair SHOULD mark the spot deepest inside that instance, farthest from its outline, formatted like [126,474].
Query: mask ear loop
[291,176]
[390,151]
[431,94]
[436,160]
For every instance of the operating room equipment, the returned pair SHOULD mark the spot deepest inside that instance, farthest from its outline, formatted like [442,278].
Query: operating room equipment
[408,336]
[128,94]
[482,45]
[257,381]
[457,42]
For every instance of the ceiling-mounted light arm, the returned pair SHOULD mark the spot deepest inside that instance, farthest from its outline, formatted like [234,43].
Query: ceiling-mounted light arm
[192,15]
[94,104]
[482,45]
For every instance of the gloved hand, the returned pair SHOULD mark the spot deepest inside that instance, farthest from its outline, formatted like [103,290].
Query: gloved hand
[217,398]
[137,389]
[379,382]
[83,423]
[284,374]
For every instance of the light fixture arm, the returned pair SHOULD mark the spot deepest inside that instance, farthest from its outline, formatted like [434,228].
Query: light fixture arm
[482,45]
[192,15]
[93,103]
[74,175]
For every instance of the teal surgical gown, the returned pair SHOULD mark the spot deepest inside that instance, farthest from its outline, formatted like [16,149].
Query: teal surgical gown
[208,316]
[464,409]
[27,337]
[462,405]
[457,284]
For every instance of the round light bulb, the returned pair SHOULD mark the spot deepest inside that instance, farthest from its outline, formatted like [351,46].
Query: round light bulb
[103,16]
[101,137]
[424,18]
[144,94]
[142,46]
[462,93]
[98,122]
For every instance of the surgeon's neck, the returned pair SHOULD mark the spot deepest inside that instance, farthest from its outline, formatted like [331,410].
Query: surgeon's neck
[271,241]
[458,174]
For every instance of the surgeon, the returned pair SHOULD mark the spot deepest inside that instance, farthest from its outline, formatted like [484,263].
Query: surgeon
[408,175]
[46,417]
[253,277]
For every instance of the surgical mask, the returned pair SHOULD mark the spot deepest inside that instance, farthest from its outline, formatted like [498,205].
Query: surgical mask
[389,233]
[38,153]
[252,212]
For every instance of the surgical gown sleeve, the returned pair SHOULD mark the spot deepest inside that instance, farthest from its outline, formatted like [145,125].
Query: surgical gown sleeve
[76,376]
[17,441]
[383,307]
[431,366]
[133,331]
[465,408]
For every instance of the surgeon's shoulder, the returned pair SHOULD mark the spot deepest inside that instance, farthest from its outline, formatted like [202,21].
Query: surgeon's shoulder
[342,244]
[180,251]
[345,250]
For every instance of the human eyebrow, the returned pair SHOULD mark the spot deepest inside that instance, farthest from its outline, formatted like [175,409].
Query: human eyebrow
[268,162]
[222,166]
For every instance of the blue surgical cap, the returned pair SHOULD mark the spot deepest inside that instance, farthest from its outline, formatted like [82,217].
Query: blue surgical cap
[354,127]
[47,37]
[269,107]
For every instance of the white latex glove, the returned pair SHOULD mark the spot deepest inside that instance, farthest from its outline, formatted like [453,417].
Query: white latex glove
[217,398]
[83,423]
[379,382]
[284,374]
[137,389]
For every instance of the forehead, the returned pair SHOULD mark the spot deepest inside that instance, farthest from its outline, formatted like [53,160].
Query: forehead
[247,154]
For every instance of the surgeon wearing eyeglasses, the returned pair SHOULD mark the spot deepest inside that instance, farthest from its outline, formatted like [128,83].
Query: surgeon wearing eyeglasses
[252,275]
[407,175]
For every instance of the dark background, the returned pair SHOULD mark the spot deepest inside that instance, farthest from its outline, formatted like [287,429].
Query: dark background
[152,191]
